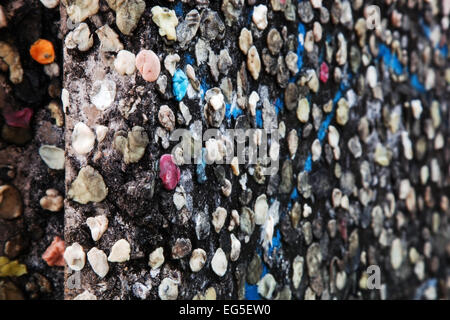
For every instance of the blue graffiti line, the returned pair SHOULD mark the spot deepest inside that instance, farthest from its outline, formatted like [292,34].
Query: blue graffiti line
[394,63]
[251,290]
[201,168]
[203,88]
[258,118]
[232,111]
[300,47]
[188,59]
[390,59]
[323,129]
[308,163]
[432,283]
[179,9]
[279,104]
[443,50]
[249,19]
[416,84]
[425,27]
[294,194]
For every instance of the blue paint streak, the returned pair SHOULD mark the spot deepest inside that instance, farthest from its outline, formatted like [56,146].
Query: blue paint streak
[421,290]
[326,123]
[425,27]
[289,206]
[251,290]
[294,194]
[324,127]
[232,113]
[179,9]
[180,83]
[249,19]
[416,84]
[321,134]
[329,38]
[300,47]
[188,59]
[337,97]
[321,56]
[279,104]
[392,62]
[390,59]
[204,87]
[259,121]
[308,163]
[201,168]
[443,50]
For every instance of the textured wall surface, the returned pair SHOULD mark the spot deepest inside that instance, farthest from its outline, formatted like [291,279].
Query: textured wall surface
[27,123]
[362,110]
[353,97]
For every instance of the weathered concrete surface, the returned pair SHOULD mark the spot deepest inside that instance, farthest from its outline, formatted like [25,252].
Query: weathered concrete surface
[26,238]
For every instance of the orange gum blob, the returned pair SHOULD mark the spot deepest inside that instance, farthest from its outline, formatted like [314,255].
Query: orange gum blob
[42,51]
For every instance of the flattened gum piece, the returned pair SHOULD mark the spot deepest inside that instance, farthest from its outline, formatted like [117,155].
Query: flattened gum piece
[54,253]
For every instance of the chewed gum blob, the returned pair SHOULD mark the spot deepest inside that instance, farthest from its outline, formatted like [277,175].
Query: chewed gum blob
[19,119]
[42,51]
[168,172]
[147,62]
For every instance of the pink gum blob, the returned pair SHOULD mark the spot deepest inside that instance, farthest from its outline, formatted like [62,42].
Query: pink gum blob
[147,62]
[168,172]
[20,119]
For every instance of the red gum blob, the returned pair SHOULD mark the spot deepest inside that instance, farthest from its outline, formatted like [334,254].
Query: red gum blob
[147,62]
[19,119]
[54,253]
[324,72]
[168,172]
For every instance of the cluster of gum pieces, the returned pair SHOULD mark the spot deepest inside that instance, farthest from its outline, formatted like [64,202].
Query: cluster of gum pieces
[320,84]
